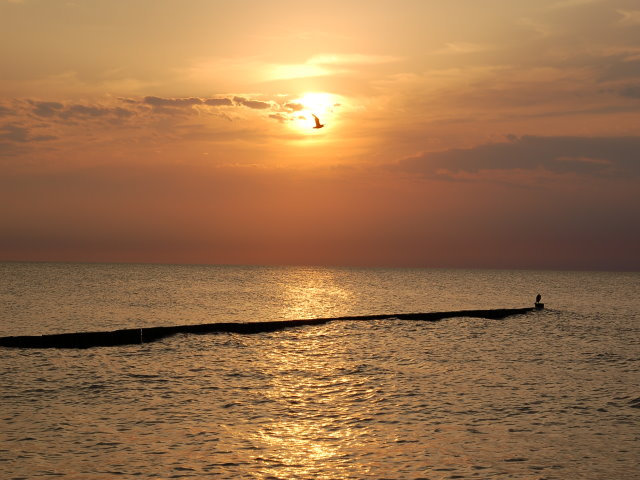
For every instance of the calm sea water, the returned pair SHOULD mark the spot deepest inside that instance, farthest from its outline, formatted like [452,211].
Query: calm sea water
[554,394]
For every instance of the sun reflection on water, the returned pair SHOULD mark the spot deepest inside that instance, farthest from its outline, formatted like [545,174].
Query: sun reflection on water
[313,389]
[312,293]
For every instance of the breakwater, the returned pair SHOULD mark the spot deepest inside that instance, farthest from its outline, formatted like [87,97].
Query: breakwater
[145,335]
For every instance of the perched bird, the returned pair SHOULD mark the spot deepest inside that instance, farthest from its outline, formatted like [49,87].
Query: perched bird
[318,124]
[538,297]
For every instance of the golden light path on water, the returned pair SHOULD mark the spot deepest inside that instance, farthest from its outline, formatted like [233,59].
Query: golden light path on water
[307,380]
[317,426]
[311,293]
[320,389]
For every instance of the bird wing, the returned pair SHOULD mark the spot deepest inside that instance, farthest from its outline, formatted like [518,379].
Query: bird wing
[317,120]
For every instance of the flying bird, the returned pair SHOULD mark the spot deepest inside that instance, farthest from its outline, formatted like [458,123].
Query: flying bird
[318,124]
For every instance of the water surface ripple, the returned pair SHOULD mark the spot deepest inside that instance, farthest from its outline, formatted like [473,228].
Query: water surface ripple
[549,395]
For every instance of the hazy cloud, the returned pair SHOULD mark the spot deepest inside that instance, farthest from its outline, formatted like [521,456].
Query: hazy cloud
[172,102]
[122,112]
[117,110]
[57,109]
[618,67]
[186,102]
[460,48]
[630,91]
[279,117]
[350,59]
[92,111]
[327,64]
[218,102]
[294,107]
[571,3]
[16,133]
[596,156]
[630,17]
[4,111]
[47,109]
[166,104]
[255,104]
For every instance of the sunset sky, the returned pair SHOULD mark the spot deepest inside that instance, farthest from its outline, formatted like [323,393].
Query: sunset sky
[466,133]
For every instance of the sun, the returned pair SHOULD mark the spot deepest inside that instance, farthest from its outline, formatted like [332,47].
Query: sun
[321,104]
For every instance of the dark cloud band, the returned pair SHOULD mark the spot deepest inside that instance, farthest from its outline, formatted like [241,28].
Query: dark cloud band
[608,156]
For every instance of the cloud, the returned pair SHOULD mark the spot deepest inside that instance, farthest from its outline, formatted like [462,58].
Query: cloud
[47,109]
[591,156]
[618,67]
[631,17]
[172,102]
[571,4]
[184,105]
[16,133]
[629,91]
[256,104]
[279,117]
[350,59]
[454,48]
[167,105]
[93,111]
[113,122]
[121,109]
[326,64]
[57,109]
[5,112]
[129,107]
[218,102]
[186,101]
[294,107]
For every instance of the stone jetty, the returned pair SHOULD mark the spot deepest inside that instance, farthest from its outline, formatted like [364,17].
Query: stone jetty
[150,334]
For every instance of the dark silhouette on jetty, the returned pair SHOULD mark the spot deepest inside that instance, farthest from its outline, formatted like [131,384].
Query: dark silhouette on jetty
[145,335]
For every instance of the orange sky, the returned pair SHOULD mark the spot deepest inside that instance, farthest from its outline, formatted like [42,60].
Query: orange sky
[493,133]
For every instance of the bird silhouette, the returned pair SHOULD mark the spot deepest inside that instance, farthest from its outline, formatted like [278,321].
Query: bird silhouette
[318,124]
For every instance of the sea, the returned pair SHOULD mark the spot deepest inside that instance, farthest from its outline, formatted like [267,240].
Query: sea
[551,394]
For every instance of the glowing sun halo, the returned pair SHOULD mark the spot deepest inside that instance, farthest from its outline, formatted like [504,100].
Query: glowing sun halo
[320,104]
